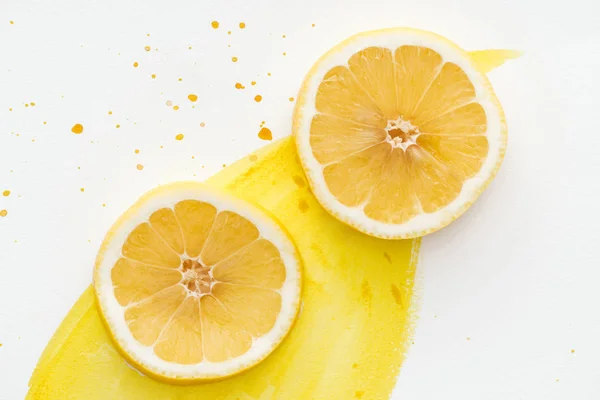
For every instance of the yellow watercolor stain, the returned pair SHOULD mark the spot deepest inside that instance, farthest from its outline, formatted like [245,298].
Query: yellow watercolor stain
[234,59]
[12,22]
[44,122]
[82,190]
[137,151]
[202,124]
[77,129]
[10,109]
[239,86]
[175,108]
[468,338]
[169,103]
[360,346]
[26,105]
[153,76]
[110,113]
[284,53]
[262,123]
[180,79]
[242,25]
[291,99]
[229,32]
[214,24]
[179,136]
[268,74]
[265,134]
[193,98]
[147,48]
[258,98]
[303,205]
[253,83]
[572,351]
[313,25]
[32,104]
[135,64]
[6,193]
[103,204]
[140,167]
[3,213]
[299,181]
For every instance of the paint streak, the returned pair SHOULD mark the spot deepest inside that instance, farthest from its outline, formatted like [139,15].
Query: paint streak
[77,129]
[179,136]
[357,348]
[265,134]
[192,97]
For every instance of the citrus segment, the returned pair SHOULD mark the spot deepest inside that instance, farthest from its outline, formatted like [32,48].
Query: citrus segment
[205,288]
[398,132]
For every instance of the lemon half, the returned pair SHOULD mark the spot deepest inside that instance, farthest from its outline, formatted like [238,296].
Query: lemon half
[398,132]
[194,284]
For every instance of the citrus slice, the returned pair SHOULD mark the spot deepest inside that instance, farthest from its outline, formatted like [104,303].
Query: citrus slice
[398,132]
[194,284]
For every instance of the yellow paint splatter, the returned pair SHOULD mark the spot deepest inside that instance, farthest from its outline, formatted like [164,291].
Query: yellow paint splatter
[110,113]
[147,48]
[468,338]
[253,83]
[229,32]
[268,74]
[44,122]
[179,136]
[175,108]
[283,36]
[214,24]
[313,25]
[153,76]
[26,105]
[140,167]
[3,213]
[12,22]
[284,53]
[32,104]
[103,204]
[6,193]
[169,103]
[193,98]
[258,98]
[234,59]
[118,126]
[82,190]
[202,124]
[137,151]
[77,129]
[242,25]
[572,351]
[239,86]
[265,134]
[291,99]
[135,64]
[180,79]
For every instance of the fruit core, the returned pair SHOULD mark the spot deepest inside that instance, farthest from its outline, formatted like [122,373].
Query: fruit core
[196,277]
[401,133]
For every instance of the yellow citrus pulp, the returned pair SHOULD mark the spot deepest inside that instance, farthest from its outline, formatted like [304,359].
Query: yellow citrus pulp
[398,131]
[195,284]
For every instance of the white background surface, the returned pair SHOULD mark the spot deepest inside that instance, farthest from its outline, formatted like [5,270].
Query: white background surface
[517,275]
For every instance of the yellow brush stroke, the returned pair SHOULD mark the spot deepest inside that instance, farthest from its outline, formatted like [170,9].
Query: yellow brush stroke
[487,60]
[348,342]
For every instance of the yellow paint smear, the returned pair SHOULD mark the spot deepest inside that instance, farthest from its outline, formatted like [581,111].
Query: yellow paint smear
[350,337]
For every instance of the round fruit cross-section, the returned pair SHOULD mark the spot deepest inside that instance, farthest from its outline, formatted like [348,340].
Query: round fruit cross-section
[398,132]
[194,284]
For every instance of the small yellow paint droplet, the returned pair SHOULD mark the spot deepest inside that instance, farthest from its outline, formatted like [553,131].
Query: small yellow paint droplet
[202,124]
[44,122]
[3,213]
[179,136]
[10,109]
[239,86]
[468,338]
[32,104]
[147,34]
[313,25]
[265,134]
[258,98]
[118,126]
[147,48]
[77,129]
[103,204]
[572,351]
[26,105]
[291,99]
[283,36]
[242,25]
[229,32]
[214,24]
[6,193]
[193,98]
[82,189]
[12,22]
[253,158]
[135,64]
[110,113]
[268,73]
[137,151]
[140,167]
[234,59]
[190,47]
[169,103]
[153,76]
[253,83]
[180,79]
[175,108]
[284,53]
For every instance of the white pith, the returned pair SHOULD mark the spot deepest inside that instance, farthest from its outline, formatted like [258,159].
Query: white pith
[113,312]
[392,39]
